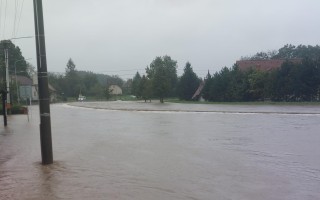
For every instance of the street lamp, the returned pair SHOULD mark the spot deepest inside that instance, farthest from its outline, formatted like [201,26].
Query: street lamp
[15,74]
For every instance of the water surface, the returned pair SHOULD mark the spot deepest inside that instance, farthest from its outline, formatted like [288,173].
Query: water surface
[132,150]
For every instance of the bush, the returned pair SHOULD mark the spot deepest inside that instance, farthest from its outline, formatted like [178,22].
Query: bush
[16,109]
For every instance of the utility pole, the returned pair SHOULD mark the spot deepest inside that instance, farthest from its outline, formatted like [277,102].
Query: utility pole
[44,104]
[4,92]
[4,110]
[6,58]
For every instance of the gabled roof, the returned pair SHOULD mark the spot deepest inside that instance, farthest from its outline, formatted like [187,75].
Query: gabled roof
[263,65]
[199,90]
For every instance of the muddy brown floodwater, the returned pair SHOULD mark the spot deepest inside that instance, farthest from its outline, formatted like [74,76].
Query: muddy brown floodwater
[133,150]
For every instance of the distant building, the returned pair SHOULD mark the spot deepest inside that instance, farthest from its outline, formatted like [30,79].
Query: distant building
[35,94]
[115,90]
[263,65]
[24,86]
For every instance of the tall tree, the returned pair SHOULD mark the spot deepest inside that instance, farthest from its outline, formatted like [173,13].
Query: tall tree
[188,83]
[71,67]
[145,88]
[205,91]
[17,66]
[163,75]
[90,83]
[73,87]
[256,80]
[135,85]
[302,51]
[16,61]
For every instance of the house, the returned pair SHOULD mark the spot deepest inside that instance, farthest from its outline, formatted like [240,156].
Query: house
[264,65]
[115,90]
[23,86]
[35,93]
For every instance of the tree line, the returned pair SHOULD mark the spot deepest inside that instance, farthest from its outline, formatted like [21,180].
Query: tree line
[161,81]
[74,82]
[291,82]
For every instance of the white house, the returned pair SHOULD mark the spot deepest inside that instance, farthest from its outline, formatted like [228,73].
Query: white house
[23,86]
[35,93]
[115,90]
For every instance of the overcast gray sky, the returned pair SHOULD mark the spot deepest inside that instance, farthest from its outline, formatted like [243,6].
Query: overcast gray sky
[123,36]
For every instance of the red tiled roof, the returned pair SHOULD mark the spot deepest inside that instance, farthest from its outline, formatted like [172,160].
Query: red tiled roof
[263,65]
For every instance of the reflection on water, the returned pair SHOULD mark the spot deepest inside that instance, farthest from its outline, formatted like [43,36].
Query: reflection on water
[238,152]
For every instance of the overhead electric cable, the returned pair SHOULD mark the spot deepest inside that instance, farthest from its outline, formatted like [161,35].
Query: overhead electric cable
[5,19]
[0,14]
[17,31]
[15,18]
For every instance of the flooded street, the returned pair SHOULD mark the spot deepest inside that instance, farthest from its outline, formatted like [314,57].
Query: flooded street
[132,150]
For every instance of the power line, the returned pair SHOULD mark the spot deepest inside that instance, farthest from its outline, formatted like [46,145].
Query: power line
[19,18]
[0,13]
[15,18]
[15,38]
[5,18]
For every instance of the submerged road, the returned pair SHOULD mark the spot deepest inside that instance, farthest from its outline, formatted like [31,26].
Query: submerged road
[130,150]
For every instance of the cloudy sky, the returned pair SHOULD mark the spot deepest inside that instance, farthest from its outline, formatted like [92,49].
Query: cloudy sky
[124,36]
